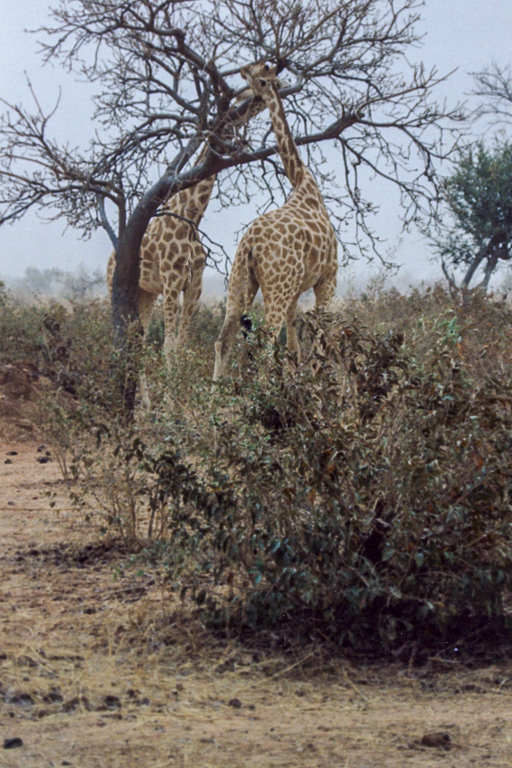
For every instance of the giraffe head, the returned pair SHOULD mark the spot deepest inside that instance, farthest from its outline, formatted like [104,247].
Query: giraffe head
[260,78]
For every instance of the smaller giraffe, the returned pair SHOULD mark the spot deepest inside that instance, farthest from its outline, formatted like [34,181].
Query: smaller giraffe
[172,259]
[284,252]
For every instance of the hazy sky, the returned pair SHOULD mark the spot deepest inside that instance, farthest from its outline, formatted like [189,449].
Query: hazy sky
[467,34]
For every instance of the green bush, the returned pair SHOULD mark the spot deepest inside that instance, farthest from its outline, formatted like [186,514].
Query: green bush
[360,496]
[372,498]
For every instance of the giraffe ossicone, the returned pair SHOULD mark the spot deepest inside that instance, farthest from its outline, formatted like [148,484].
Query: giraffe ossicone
[285,252]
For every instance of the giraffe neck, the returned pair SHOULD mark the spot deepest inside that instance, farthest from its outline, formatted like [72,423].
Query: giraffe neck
[191,203]
[293,165]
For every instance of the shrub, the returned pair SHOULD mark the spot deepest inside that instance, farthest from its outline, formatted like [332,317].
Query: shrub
[360,496]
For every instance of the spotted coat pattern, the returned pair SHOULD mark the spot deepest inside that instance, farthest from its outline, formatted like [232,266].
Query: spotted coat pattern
[284,252]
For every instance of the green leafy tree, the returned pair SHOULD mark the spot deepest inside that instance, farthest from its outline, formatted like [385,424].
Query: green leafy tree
[476,230]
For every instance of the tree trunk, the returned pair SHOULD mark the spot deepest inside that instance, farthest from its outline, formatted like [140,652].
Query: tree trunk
[492,261]
[473,268]
[125,314]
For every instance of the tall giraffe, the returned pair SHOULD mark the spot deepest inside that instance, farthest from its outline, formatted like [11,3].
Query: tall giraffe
[172,258]
[284,252]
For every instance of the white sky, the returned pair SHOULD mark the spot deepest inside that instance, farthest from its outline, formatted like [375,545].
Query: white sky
[467,34]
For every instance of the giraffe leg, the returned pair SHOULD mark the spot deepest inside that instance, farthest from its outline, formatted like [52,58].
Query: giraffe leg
[191,295]
[224,343]
[325,291]
[240,297]
[292,340]
[251,290]
[171,307]
[146,302]
[274,319]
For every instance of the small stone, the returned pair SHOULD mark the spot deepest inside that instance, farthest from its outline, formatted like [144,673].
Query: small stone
[53,697]
[43,460]
[112,702]
[41,448]
[236,703]
[22,699]
[11,453]
[8,461]
[436,739]
[73,704]
[13,743]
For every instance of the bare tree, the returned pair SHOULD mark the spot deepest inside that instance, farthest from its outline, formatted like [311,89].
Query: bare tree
[167,74]
[494,86]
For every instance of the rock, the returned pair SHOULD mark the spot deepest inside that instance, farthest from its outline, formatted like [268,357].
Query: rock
[20,698]
[236,703]
[13,743]
[112,702]
[53,697]
[24,424]
[16,383]
[8,461]
[436,739]
[73,704]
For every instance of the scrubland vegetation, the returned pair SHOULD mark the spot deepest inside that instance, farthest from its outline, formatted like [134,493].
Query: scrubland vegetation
[359,498]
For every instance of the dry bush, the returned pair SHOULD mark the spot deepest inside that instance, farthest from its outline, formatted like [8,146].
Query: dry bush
[358,497]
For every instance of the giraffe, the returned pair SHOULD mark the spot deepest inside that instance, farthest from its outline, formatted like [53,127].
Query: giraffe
[172,259]
[285,252]
[172,262]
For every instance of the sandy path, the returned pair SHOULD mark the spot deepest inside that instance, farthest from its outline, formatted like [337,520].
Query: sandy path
[76,696]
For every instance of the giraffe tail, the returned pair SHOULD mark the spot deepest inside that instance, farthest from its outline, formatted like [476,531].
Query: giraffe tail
[246,323]
[245,320]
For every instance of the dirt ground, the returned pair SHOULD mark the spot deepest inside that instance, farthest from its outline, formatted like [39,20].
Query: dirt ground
[76,693]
